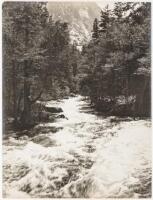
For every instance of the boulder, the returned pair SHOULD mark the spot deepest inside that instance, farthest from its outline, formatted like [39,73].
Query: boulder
[44,130]
[53,109]
[115,119]
[61,116]
[52,118]
[104,106]
[43,140]
[44,113]
[44,116]
[72,95]
[122,110]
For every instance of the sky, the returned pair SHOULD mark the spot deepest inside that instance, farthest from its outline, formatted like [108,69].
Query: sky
[102,4]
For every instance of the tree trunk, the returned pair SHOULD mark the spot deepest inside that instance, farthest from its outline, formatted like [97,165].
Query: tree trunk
[140,98]
[127,89]
[26,119]
[14,82]
[19,102]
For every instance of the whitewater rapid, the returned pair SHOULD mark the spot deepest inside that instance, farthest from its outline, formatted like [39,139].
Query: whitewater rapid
[88,156]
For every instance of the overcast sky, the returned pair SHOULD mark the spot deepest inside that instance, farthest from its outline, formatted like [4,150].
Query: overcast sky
[102,4]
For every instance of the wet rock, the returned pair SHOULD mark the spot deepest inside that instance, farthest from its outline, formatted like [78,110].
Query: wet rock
[53,109]
[8,134]
[24,137]
[62,116]
[73,172]
[55,129]
[44,113]
[44,116]
[52,118]
[44,130]
[117,119]
[89,148]
[72,95]
[122,110]
[43,140]
[66,97]
[104,105]
[26,188]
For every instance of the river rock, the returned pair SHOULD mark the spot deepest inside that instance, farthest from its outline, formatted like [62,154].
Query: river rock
[122,110]
[53,109]
[43,140]
[61,116]
[44,130]
[114,119]
[44,116]
[72,95]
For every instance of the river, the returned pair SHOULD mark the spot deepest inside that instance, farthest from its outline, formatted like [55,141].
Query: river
[88,156]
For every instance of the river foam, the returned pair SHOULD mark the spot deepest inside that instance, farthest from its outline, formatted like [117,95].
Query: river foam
[89,157]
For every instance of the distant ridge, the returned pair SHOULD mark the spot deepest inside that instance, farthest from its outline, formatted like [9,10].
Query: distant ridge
[79,15]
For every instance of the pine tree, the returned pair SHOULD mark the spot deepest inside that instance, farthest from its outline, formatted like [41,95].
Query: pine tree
[25,26]
[95,33]
[122,57]
[104,19]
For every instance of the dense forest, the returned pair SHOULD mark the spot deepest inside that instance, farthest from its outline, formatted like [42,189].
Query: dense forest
[41,63]
[116,63]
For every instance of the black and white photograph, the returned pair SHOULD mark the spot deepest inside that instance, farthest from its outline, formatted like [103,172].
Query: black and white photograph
[76,99]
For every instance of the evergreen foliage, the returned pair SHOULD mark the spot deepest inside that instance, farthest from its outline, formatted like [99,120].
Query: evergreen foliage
[95,33]
[39,62]
[38,59]
[112,64]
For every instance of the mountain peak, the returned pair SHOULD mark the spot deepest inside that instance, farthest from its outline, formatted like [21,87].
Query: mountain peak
[79,16]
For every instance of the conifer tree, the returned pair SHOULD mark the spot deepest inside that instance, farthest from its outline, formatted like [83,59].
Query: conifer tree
[104,19]
[24,25]
[95,33]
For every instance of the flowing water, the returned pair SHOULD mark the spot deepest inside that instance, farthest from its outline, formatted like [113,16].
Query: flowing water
[87,156]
